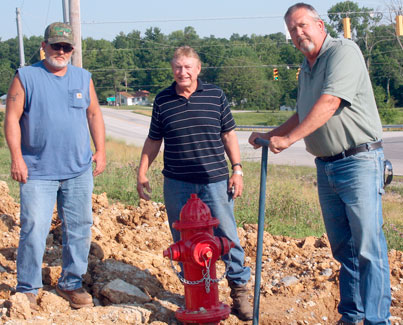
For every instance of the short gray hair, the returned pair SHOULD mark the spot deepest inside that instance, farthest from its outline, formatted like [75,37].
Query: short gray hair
[312,11]
[186,51]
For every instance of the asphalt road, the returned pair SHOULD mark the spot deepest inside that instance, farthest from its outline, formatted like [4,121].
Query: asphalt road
[133,129]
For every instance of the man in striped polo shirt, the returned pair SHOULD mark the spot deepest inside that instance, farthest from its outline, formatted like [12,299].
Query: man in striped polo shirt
[195,122]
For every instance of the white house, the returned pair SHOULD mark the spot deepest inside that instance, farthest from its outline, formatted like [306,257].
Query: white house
[140,97]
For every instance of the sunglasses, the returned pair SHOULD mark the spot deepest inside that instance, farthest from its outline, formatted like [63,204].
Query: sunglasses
[67,48]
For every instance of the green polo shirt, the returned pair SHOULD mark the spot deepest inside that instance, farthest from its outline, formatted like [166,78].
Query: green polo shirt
[339,71]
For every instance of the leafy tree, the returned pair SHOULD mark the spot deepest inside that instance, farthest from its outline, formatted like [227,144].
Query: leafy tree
[243,79]
[242,65]
[362,20]
[387,58]
[6,75]
[212,53]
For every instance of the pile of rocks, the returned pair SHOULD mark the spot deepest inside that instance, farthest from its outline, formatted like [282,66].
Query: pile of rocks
[132,283]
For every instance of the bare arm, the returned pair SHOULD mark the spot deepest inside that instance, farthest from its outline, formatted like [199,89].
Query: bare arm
[12,129]
[321,112]
[281,130]
[231,147]
[97,130]
[149,153]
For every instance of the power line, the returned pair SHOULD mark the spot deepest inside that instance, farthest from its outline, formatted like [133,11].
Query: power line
[215,18]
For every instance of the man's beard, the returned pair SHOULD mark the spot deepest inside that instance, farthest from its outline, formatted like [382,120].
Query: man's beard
[56,64]
[306,47]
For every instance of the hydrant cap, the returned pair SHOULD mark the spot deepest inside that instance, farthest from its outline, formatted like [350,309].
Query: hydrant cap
[195,214]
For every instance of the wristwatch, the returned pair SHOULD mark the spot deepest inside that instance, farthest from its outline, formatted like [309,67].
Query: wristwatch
[237,172]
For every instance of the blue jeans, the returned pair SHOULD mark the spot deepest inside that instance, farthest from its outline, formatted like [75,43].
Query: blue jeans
[74,205]
[350,194]
[221,204]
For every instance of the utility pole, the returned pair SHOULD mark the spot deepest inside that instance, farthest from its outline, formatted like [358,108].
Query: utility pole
[20,37]
[75,23]
[66,16]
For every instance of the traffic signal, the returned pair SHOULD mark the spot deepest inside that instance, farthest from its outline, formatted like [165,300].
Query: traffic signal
[399,25]
[297,74]
[275,74]
[346,27]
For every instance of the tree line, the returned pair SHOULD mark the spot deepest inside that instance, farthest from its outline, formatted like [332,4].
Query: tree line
[241,65]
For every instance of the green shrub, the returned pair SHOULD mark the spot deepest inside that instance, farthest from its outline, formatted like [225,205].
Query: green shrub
[388,115]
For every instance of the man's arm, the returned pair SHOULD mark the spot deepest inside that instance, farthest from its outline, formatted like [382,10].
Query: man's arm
[320,113]
[12,129]
[281,130]
[231,147]
[150,151]
[97,130]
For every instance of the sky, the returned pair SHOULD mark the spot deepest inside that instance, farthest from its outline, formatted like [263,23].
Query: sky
[105,19]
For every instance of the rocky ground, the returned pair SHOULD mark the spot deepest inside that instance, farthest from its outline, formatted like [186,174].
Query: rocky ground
[132,283]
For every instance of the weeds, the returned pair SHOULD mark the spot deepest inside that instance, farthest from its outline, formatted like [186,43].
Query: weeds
[292,205]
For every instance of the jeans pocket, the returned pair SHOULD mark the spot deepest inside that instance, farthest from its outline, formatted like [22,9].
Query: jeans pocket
[366,155]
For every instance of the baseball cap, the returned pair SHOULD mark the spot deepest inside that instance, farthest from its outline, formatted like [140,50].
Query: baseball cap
[59,33]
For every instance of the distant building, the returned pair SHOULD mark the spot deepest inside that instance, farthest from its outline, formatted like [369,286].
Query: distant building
[3,99]
[140,97]
[286,108]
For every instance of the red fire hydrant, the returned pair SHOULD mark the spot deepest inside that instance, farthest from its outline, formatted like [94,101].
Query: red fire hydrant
[198,250]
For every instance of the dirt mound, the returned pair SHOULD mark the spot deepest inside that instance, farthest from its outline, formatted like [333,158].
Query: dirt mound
[132,283]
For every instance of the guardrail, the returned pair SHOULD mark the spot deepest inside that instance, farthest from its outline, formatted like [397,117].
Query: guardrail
[392,127]
[396,127]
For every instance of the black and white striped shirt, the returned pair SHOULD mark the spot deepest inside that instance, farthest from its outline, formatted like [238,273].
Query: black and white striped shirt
[191,129]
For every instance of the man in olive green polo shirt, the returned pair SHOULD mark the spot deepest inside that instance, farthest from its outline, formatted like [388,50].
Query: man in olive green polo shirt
[338,119]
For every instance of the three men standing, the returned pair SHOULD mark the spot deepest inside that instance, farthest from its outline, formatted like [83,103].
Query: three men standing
[50,104]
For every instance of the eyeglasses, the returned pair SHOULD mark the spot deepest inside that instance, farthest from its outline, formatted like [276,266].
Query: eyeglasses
[67,48]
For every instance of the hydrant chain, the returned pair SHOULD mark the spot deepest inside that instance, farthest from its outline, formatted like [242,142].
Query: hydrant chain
[206,275]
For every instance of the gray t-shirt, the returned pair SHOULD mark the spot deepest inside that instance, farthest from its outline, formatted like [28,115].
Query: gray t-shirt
[339,71]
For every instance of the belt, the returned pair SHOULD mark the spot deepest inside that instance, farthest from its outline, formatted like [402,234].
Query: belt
[353,151]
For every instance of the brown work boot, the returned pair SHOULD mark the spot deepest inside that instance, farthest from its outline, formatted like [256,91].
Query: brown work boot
[241,307]
[78,298]
[32,300]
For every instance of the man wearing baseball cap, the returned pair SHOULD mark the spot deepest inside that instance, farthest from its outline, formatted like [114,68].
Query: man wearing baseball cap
[50,107]
[59,33]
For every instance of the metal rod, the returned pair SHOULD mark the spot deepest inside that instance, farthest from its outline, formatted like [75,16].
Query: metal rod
[259,249]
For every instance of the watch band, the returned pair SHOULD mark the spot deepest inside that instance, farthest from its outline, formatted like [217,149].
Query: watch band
[237,172]
[237,164]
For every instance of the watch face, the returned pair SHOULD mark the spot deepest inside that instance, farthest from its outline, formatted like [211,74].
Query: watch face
[238,172]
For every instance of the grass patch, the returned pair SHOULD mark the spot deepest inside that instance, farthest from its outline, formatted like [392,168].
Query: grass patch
[138,109]
[267,118]
[120,177]
[5,175]
[292,205]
